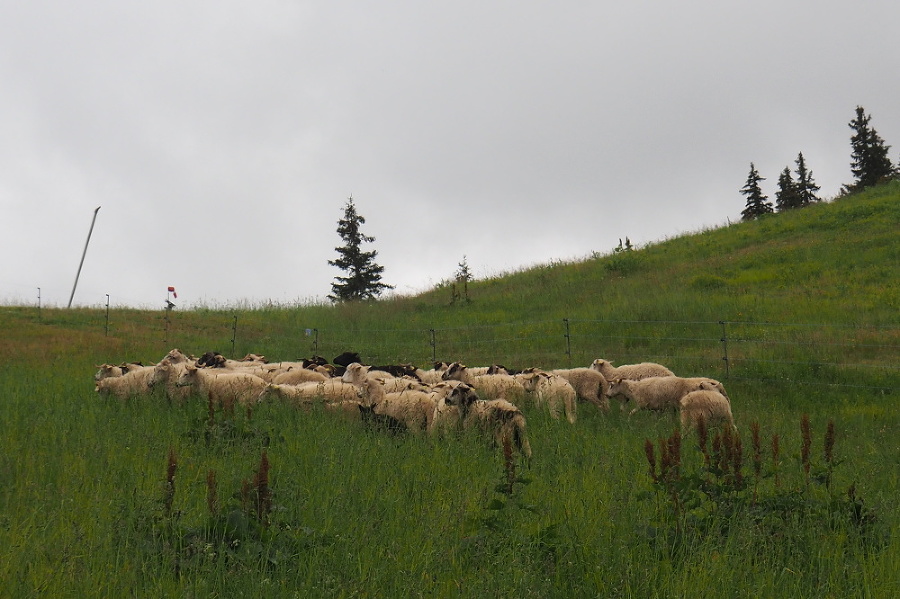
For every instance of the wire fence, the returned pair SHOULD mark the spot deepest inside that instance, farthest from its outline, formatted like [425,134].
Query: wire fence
[852,356]
[838,355]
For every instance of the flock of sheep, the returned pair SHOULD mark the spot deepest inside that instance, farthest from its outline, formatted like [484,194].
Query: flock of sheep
[437,401]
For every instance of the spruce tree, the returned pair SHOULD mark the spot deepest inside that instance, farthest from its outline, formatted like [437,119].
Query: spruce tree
[363,280]
[786,198]
[757,203]
[871,164]
[806,187]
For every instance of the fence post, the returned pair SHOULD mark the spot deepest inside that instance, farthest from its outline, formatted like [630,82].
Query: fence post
[316,342]
[568,342]
[233,334]
[107,316]
[433,347]
[725,349]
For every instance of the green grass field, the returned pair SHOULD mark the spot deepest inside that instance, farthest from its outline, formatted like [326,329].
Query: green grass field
[90,504]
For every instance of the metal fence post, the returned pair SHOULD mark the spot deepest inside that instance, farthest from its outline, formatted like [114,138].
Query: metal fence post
[568,342]
[433,346]
[233,334]
[725,349]
[107,316]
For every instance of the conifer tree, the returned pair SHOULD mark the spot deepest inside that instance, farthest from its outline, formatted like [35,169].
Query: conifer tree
[806,187]
[463,275]
[786,197]
[757,203]
[871,164]
[363,280]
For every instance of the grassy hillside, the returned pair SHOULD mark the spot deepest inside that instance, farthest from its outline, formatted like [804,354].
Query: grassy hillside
[148,499]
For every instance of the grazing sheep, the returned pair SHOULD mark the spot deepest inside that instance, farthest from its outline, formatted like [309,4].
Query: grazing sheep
[166,375]
[328,391]
[706,403]
[136,382]
[433,376]
[295,376]
[491,386]
[397,370]
[403,383]
[659,392]
[254,358]
[634,372]
[589,384]
[498,418]
[107,371]
[551,390]
[223,388]
[414,408]
[447,415]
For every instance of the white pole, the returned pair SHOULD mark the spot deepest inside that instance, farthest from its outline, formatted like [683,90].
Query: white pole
[83,254]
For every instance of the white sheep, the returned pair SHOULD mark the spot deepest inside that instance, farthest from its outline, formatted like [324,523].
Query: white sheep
[634,372]
[659,392]
[433,375]
[497,418]
[166,375]
[110,370]
[328,391]
[492,386]
[415,409]
[590,385]
[222,387]
[552,391]
[106,371]
[707,403]
[135,382]
[447,415]
[176,356]
[295,376]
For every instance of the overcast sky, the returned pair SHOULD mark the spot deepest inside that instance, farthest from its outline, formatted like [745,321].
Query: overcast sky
[222,139]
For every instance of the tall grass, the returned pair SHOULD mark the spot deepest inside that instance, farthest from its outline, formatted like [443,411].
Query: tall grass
[86,508]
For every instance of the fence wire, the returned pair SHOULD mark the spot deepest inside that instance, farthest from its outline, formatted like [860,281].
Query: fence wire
[834,355]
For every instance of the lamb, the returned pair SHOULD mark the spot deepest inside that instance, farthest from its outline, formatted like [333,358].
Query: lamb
[492,386]
[659,392]
[706,403]
[634,372]
[500,419]
[136,382]
[223,387]
[415,409]
[589,384]
[551,390]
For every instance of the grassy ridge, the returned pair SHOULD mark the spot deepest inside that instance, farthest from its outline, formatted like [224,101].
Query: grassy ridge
[357,514]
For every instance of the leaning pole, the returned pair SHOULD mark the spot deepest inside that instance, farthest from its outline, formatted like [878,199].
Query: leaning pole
[83,254]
